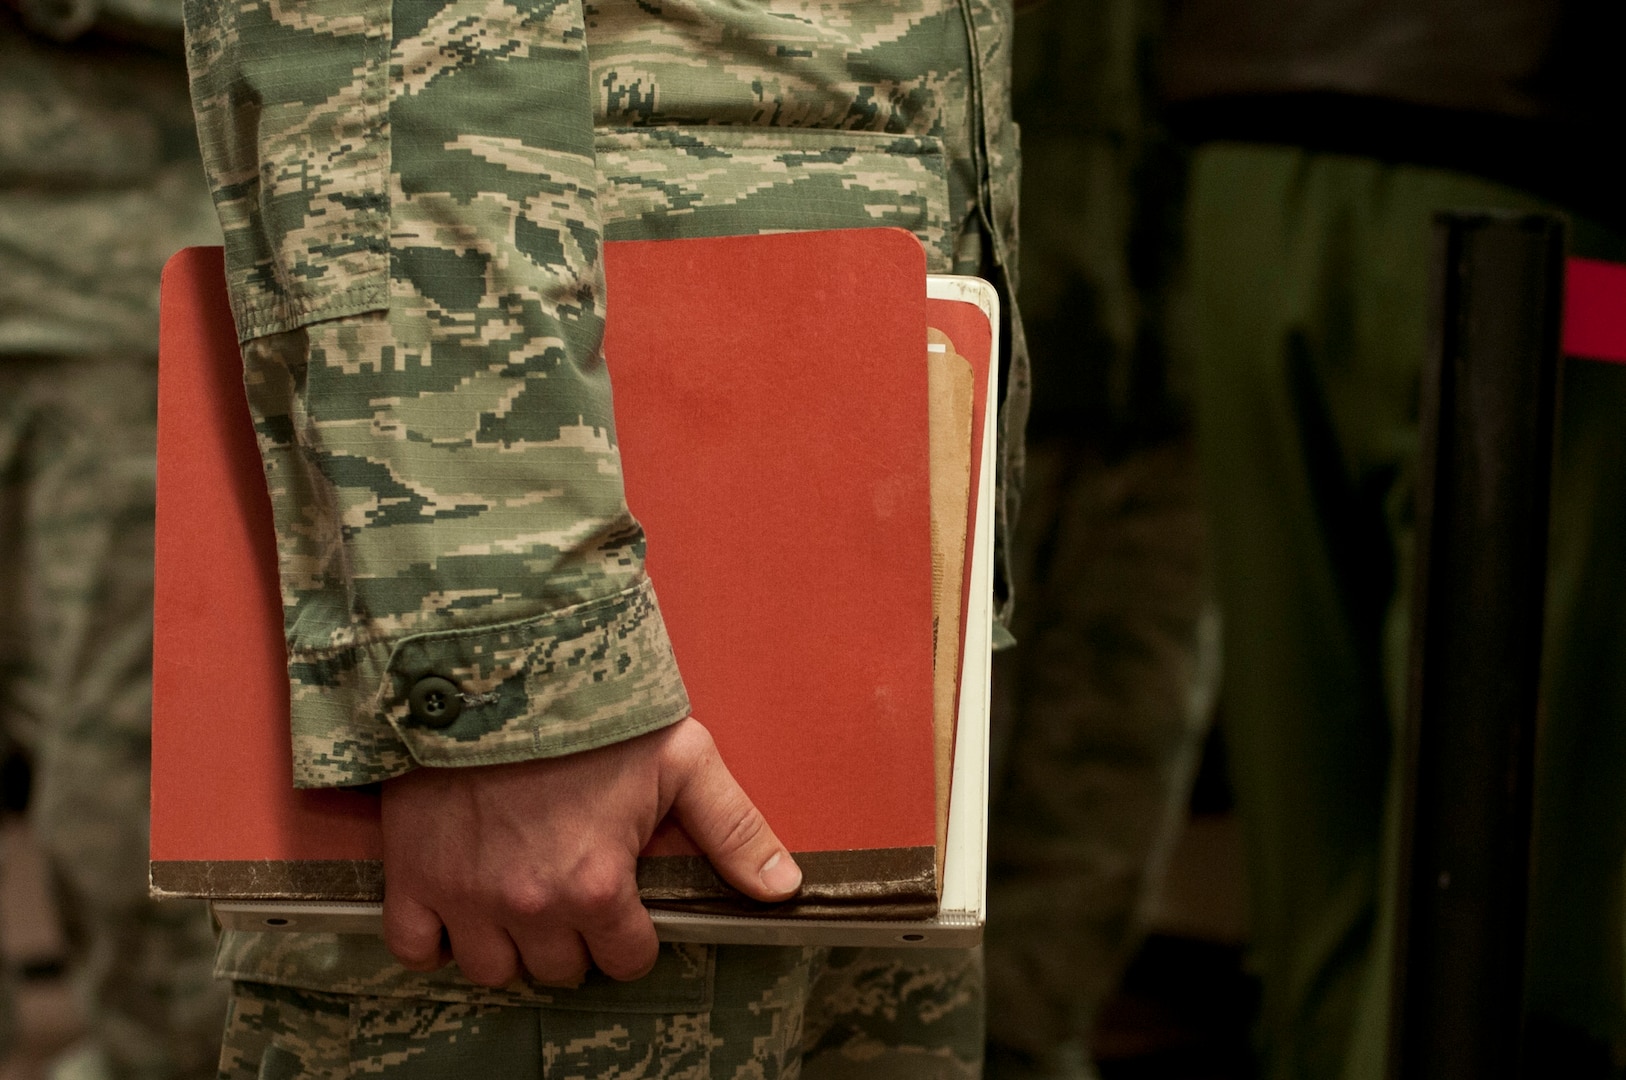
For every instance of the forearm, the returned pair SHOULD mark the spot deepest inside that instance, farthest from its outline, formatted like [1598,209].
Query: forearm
[413,250]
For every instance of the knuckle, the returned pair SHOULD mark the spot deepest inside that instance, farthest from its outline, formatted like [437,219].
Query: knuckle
[526,899]
[599,885]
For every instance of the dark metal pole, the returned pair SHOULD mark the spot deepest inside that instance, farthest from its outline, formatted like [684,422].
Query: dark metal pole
[1489,402]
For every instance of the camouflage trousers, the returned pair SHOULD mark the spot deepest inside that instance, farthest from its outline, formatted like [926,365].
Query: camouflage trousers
[1099,714]
[751,1014]
[76,524]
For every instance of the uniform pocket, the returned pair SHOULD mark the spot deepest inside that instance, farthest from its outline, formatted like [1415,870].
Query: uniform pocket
[667,182]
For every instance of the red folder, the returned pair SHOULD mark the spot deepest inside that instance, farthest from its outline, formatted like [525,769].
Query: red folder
[771,411]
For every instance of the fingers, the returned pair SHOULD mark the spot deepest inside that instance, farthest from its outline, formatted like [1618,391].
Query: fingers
[421,942]
[554,957]
[597,919]
[485,954]
[530,867]
[621,936]
[414,934]
[727,827]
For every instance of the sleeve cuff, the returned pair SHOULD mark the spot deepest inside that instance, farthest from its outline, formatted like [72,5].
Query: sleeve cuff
[573,679]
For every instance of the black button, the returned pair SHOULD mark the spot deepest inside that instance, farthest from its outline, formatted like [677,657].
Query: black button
[435,702]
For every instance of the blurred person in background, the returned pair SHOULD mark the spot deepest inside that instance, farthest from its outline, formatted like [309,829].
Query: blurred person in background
[1331,132]
[99,182]
[1101,710]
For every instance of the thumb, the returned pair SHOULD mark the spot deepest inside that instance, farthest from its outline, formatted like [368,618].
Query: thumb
[728,828]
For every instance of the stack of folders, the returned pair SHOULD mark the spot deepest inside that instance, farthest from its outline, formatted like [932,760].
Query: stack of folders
[807,437]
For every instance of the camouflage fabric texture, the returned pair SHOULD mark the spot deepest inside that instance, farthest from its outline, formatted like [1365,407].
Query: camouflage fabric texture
[1099,715]
[99,181]
[732,1014]
[413,219]
[414,265]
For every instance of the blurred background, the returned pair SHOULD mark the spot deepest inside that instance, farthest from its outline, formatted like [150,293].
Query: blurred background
[1226,213]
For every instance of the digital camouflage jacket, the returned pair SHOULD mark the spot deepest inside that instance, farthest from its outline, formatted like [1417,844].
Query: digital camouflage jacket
[415,196]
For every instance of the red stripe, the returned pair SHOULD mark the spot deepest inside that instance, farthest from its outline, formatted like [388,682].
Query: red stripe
[1595,310]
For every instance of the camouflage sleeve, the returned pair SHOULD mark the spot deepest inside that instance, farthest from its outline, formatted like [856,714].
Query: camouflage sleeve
[413,247]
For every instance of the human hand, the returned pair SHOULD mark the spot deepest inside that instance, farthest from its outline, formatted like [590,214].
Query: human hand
[532,866]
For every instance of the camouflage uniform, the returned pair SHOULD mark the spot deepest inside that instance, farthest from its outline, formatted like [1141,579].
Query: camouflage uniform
[99,182]
[1099,715]
[413,217]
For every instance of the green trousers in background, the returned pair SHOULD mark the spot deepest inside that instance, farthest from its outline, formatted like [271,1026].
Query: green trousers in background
[1101,709]
[1310,275]
[76,549]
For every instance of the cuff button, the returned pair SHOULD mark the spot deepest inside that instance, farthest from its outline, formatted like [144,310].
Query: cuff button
[435,702]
